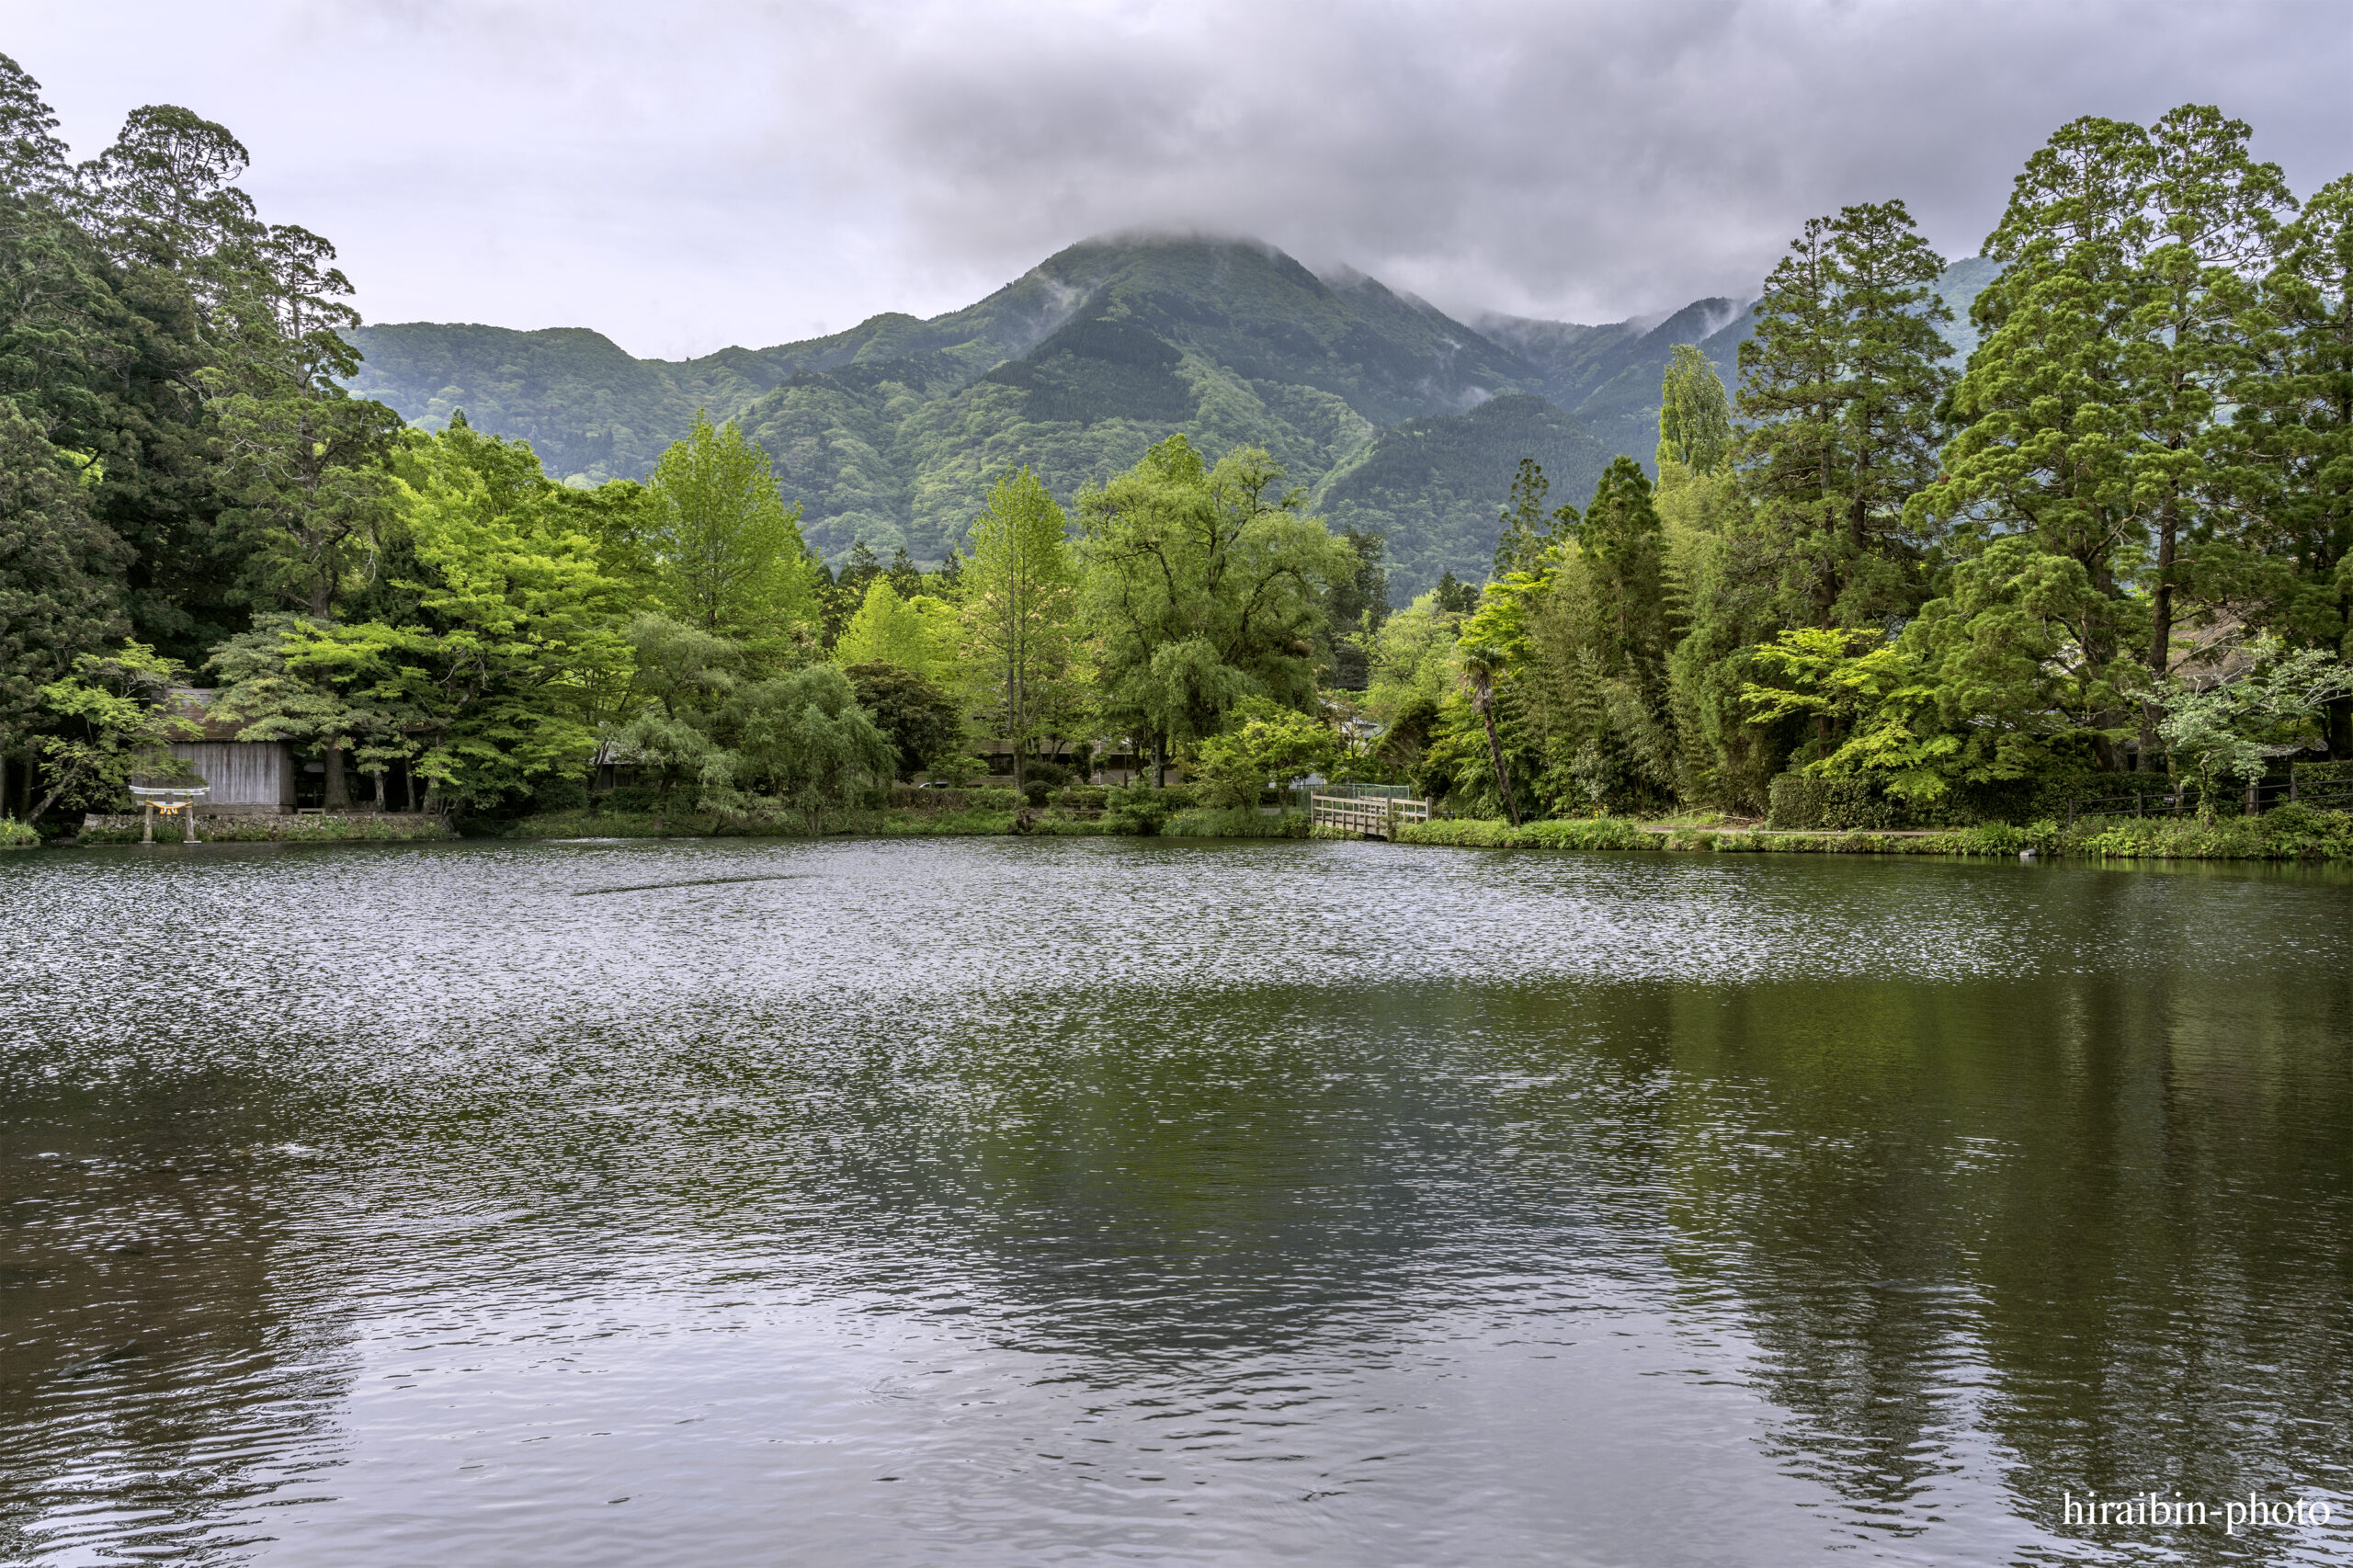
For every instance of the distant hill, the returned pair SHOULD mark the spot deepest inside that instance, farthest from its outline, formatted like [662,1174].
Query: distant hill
[1396,417]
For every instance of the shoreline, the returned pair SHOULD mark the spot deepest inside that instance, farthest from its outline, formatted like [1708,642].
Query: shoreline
[2287,833]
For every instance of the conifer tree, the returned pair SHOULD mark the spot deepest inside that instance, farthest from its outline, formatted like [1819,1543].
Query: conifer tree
[1841,383]
[2119,333]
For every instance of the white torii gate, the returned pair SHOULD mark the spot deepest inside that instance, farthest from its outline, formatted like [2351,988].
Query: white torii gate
[170,799]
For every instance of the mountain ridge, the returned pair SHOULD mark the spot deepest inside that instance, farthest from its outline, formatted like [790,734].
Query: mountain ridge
[1394,416]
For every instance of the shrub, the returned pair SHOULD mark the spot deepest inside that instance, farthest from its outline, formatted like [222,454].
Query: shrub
[1800,801]
[1085,796]
[15,834]
[1566,833]
[559,792]
[1234,822]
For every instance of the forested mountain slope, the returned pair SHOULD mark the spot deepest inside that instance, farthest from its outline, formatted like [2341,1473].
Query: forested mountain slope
[1398,418]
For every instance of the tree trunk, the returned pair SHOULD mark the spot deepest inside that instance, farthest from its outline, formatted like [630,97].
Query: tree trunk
[1159,761]
[1484,699]
[339,796]
[2160,633]
[2338,727]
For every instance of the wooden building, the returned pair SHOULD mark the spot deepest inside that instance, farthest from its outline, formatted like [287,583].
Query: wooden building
[243,778]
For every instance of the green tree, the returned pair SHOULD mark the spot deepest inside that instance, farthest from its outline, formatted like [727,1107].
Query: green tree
[685,680]
[1840,385]
[1020,587]
[1266,744]
[58,569]
[729,553]
[1989,682]
[1206,585]
[923,721]
[492,635]
[1359,609]
[111,722]
[2288,565]
[1525,532]
[2120,330]
[804,736]
[918,634]
[2239,726]
[1694,416]
[1598,630]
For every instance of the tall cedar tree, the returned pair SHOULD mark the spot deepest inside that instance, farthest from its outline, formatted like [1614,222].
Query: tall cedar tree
[1840,384]
[2295,425]
[2120,329]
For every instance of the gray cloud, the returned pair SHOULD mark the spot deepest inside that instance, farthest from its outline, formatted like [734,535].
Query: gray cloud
[691,175]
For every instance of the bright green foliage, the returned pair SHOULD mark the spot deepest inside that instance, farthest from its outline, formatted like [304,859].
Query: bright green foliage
[492,638]
[1989,682]
[113,722]
[1205,586]
[1840,384]
[728,551]
[1021,605]
[281,681]
[917,634]
[1266,744]
[1694,416]
[923,723]
[2237,728]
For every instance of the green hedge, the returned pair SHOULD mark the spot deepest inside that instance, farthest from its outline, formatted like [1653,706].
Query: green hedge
[1805,804]
[2323,772]
[1568,832]
[1238,821]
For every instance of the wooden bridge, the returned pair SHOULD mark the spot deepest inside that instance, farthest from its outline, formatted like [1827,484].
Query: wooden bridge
[1374,816]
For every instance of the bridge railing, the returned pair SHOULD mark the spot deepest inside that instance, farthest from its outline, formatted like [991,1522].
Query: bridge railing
[1375,815]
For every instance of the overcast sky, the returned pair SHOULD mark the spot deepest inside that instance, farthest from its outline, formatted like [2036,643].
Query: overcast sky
[682,175]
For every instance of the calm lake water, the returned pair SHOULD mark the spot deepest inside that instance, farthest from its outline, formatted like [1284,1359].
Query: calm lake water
[1011,1203]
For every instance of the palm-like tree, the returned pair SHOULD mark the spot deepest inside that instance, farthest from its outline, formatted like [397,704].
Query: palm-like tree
[1481,663]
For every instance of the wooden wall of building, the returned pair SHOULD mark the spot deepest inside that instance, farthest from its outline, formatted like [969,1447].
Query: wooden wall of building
[251,775]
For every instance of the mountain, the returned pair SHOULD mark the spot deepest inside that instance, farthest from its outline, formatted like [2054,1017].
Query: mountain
[1395,418]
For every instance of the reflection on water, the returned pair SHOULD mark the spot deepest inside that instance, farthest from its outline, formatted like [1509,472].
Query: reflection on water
[1014,1202]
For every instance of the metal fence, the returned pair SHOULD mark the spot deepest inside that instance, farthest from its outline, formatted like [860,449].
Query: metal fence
[2180,796]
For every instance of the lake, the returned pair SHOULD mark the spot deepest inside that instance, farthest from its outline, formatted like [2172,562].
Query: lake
[1006,1201]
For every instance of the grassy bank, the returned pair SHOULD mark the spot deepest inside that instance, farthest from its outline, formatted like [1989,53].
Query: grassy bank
[356,827]
[2286,833]
[15,834]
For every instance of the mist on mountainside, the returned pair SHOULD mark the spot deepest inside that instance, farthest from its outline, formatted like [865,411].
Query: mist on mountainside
[1395,418]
